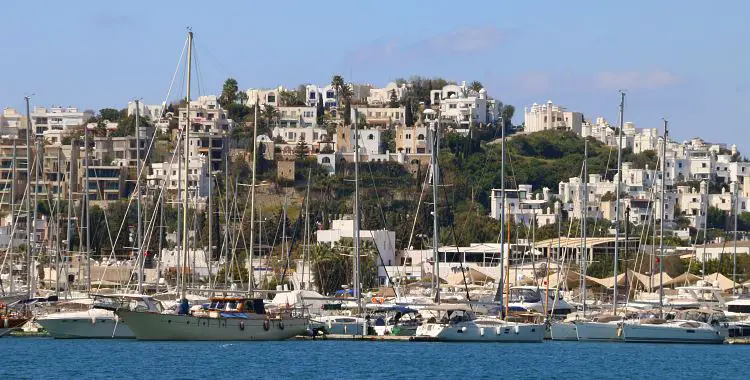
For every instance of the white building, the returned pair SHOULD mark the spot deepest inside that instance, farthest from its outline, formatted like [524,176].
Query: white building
[386,117]
[294,117]
[57,119]
[151,111]
[382,96]
[165,174]
[523,206]
[541,117]
[464,106]
[383,240]
[206,115]
[264,96]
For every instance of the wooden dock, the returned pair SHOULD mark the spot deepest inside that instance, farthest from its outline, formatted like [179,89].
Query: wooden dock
[372,338]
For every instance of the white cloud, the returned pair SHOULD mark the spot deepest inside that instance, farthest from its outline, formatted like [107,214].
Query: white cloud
[460,41]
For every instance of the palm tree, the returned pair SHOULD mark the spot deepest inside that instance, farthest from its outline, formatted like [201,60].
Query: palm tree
[337,82]
[269,113]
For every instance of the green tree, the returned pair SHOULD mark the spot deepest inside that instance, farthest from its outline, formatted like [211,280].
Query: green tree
[300,150]
[337,82]
[269,114]
[393,100]
[229,92]
[476,85]
[111,114]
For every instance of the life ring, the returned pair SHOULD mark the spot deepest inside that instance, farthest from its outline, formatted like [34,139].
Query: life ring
[377,299]
[266,324]
[281,325]
[242,325]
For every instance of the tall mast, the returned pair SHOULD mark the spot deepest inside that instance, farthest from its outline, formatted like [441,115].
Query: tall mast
[356,212]
[187,158]
[161,238]
[69,232]
[180,216]
[86,205]
[250,279]
[435,182]
[584,214]
[306,258]
[57,225]
[661,224]
[29,230]
[704,202]
[225,144]
[501,280]
[12,212]
[617,199]
[139,236]
[735,211]
[210,204]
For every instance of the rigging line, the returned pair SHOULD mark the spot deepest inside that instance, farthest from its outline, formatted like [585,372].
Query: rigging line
[174,76]
[382,215]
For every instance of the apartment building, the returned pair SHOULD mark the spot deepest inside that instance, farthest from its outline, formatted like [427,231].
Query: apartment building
[549,116]
[57,118]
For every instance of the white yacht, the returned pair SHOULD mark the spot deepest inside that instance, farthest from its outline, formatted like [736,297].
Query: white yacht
[340,324]
[225,318]
[87,319]
[458,324]
[532,299]
[602,329]
[690,326]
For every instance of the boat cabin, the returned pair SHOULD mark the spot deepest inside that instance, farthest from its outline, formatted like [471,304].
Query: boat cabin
[133,302]
[226,306]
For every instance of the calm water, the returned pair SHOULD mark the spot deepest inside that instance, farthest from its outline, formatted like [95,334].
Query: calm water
[65,359]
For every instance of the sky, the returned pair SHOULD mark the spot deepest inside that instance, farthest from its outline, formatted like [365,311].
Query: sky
[685,61]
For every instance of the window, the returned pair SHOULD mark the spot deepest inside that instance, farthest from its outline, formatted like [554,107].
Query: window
[408,136]
[326,160]
[420,137]
[313,96]
[370,137]
[271,98]
[703,165]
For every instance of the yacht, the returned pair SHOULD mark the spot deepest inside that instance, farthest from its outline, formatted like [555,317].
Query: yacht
[603,328]
[454,323]
[87,319]
[340,324]
[690,326]
[397,320]
[12,319]
[224,318]
[532,299]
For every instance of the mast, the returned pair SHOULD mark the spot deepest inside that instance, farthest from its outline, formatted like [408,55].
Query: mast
[661,224]
[29,231]
[736,211]
[187,160]
[435,182]
[306,259]
[705,225]
[501,279]
[617,199]
[69,232]
[180,216]
[86,204]
[210,203]
[161,238]
[57,225]
[12,212]
[356,212]
[139,236]
[584,208]
[250,279]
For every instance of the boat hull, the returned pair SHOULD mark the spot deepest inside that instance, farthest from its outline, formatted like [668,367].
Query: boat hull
[668,333]
[563,331]
[598,331]
[154,326]
[510,333]
[83,325]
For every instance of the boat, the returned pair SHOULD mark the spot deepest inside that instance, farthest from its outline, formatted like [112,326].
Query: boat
[531,299]
[340,324]
[690,326]
[88,319]
[605,328]
[12,319]
[397,320]
[456,323]
[224,318]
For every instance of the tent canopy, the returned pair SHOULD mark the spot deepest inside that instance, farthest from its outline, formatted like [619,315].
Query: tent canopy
[724,283]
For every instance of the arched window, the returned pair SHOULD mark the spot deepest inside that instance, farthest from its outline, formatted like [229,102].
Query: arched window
[326,160]
[370,137]
[420,137]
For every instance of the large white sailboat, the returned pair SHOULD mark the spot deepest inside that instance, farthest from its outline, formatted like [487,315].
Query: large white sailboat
[456,323]
[690,326]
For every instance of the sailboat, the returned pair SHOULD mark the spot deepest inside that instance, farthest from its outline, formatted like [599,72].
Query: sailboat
[604,327]
[458,322]
[691,326]
[225,318]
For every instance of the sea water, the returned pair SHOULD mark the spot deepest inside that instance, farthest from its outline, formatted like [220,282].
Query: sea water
[36,358]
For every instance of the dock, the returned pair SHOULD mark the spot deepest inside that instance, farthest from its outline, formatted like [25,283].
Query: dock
[372,338]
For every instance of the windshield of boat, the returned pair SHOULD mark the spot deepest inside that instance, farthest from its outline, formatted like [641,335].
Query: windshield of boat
[525,295]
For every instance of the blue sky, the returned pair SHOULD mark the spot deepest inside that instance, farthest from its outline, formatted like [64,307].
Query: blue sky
[683,60]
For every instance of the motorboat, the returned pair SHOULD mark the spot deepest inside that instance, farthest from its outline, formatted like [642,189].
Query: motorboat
[396,320]
[532,299]
[89,318]
[340,324]
[454,323]
[12,318]
[690,326]
[223,318]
